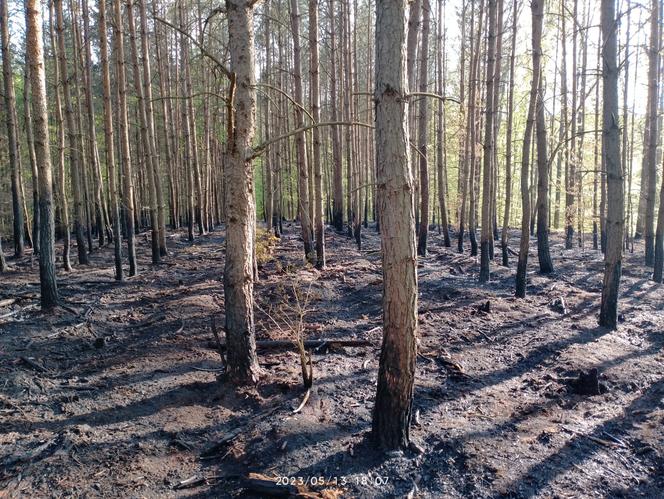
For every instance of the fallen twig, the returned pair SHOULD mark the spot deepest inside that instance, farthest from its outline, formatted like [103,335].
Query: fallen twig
[208,370]
[600,441]
[304,401]
[191,482]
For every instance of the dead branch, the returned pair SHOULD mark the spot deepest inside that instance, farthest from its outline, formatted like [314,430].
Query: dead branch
[305,399]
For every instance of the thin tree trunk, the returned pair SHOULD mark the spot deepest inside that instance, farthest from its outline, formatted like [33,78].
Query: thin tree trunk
[488,144]
[508,143]
[267,158]
[543,253]
[463,133]
[187,127]
[74,146]
[78,120]
[3,262]
[423,124]
[128,187]
[300,138]
[338,195]
[100,198]
[149,109]
[649,175]
[597,216]
[315,112]
[12,132]
[59,125]
[474,124]
[441,154]
[29,135]
[109,139]
[522,264]
[146,138]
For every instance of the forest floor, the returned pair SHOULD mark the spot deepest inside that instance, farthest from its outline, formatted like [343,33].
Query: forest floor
[117,394]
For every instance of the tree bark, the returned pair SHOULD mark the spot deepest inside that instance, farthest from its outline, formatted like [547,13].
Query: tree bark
[103,224]
[508,143]
[394,395]
[649,172]
[611,150]
[441,154]
[109,139]
[315,112]
[338,194]
[543,253]
[147,138]
[128,183]
[35,57]
[3,262]
[300,138]
[522,264]
[187,128]
[12,132]
[149,109]
[423,126]
[488,145]
[59,125]
[74,146]
[242,363]
[30,142]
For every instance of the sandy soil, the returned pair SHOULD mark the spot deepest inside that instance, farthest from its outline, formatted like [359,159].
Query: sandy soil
[119,394]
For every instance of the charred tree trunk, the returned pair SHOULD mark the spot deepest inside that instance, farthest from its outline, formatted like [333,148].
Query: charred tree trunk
[315,112]
[394,395]
[508,143]
[109,138]
[608,316]
[485,237]
[543,253]
[125,153]
[522,264]
[12,132]
[441,155]
[300,138]
[422,135]
[242,363]
[74,146]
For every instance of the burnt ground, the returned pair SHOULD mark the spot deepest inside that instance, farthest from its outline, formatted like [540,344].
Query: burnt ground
[118,394]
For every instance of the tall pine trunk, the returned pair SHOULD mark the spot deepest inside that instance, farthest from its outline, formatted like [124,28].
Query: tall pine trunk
[485,237]
[522,265]
[422,135]
[543,253]
[315,112]
[611,151]
[300,138]
[35,57]
[12,132]
[508,143]
[125,153]
[396,375]
[73,136]
[242,362]
[109,138]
